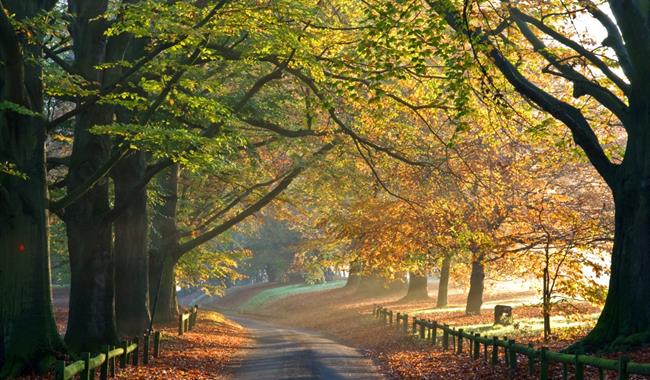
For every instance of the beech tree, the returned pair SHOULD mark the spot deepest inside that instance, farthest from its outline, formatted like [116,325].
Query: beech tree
[614,81]
[28,335]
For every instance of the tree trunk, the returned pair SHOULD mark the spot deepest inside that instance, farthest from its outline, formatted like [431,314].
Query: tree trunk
[625,319]
[354,274]
[91,321]
[475,296]
[164,240]
[131,249]
[443,285]
[163,291]
[271,273]
[28,334]
[417,288]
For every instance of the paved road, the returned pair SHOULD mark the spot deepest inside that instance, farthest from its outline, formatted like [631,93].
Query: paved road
[283,354]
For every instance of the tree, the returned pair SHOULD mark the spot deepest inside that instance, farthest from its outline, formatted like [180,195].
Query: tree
[28,335]
[624,97]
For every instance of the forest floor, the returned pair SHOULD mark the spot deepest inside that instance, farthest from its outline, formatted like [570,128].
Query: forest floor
[346,316]
[212,350]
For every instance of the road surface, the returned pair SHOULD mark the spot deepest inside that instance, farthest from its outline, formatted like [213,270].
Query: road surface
[281,354]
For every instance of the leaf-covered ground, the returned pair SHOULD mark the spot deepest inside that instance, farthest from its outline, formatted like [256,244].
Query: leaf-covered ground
[346,316]
[209,351]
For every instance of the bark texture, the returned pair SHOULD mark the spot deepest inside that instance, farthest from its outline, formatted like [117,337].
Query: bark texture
[91,321]
[443,285]
[417,288]
[131,249]
[28,335]
[164,242]
[476,285]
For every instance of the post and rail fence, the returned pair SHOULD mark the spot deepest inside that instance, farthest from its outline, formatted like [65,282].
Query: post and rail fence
[456,339]
[127,351]
[187,320]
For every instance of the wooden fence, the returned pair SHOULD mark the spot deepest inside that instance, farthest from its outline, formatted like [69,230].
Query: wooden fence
[187,320]
[491,347]
[106,361]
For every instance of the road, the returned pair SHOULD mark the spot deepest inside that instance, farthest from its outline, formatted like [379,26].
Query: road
[281,354]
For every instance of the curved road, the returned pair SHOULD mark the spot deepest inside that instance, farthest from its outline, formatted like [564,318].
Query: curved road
[282,354]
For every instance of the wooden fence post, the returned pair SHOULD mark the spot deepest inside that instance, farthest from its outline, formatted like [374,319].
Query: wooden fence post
[434,332]
[459,348]
[445,338]
[543,365]
[136,340]
[531,361]
[103,369]
[85,374]
[145,349]
[405,326]
[565,371]
[125,357]
[622,368]
[506,351]
[113,363]
[477,346]
[398,319]
[423,325]
[495,350]
[390,318]
[513,355]
[181,330]
[59,371]
[579,368]
[156,343]
[414,327]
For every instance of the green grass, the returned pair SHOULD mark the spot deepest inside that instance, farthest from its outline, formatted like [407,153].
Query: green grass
[531,326]
[274,294]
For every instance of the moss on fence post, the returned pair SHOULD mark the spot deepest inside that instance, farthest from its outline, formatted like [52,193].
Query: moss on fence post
[477,346]
[579,368]
[495,350]
[622,368]
[531,361]
[459,347]
[434,332]
[513,355]
[543,366]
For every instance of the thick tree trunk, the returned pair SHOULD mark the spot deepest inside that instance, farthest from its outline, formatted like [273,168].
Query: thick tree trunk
[131,249]
[625,319]
[417,288]
[354,275]
[163,291]
[28,335]
[443,285]
[91,321]
[164,240]
[475,296]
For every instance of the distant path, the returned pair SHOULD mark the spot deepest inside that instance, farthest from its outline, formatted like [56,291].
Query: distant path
[283,354]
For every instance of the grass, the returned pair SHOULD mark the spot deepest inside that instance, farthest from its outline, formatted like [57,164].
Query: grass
[275,294]
[532,326]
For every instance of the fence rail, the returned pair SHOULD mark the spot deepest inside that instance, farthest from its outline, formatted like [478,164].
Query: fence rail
[455,339]
[106,361]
